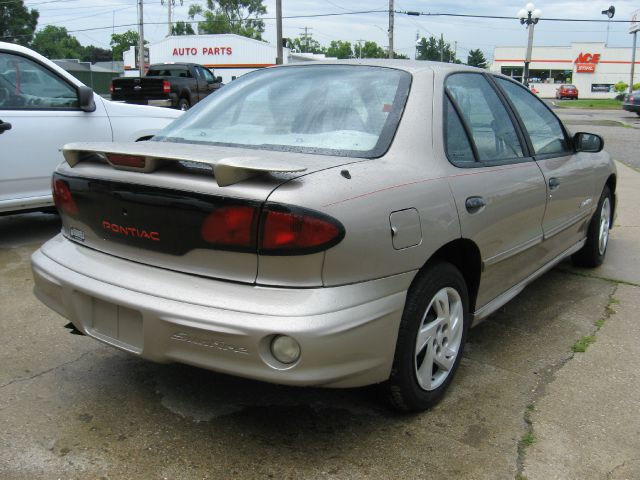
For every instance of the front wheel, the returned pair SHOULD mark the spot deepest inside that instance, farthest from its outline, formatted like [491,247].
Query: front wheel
[595,248]
[430,339]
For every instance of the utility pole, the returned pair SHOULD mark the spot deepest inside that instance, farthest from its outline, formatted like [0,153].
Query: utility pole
[170,24]
[455,51]
[390,28]
[306,38]
[441,47]
[279,49]
[141,64]
[360,47]
[633,61]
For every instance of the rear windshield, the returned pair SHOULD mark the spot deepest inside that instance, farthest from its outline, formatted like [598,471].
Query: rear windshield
[569,87]
[168,72]
[346,110]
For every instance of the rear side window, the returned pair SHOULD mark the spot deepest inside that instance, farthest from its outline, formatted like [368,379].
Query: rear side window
[544,129]
[493,132]
[456,141]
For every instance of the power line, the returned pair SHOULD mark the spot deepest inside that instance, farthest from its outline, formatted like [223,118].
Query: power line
[499,17]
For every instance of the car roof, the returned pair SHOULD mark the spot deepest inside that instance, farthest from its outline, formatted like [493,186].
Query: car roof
[411,66]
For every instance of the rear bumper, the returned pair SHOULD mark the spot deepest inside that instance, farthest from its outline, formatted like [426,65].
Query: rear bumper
[347,334]
[631,107]
[160,103]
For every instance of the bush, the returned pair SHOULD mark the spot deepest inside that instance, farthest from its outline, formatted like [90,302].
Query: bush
[621,87]
[636,86]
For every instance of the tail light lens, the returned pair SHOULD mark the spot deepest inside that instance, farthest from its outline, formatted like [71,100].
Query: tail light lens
[166,86]
[292,231]
[111,87]
[233,226]
[631,98]
[280,230]
[62,197]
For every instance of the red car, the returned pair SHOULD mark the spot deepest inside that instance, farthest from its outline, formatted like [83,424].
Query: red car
[567,91]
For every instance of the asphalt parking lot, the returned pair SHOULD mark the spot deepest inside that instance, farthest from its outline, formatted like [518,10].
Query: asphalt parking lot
[522,405]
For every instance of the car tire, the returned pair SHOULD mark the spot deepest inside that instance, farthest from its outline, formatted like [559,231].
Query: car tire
[594,250]
[431,338]
[183,104]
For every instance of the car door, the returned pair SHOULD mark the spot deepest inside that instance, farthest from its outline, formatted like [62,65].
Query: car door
[208,80]
[568,176]
[42,120]
[498,188]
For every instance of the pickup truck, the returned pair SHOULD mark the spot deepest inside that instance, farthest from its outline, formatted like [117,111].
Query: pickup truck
[176,85]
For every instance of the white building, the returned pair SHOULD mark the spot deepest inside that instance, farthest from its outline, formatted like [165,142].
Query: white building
[229,55]
[592,67]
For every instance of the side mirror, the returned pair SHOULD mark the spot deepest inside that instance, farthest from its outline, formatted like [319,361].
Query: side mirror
[85,96]
[218,79]
[588,142]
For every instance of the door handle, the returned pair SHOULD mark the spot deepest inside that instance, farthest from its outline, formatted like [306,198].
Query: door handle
[553,183]
[4,126]
[474,204]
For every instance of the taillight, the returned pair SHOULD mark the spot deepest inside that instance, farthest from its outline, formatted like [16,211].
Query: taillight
[292,231]
[631,98]
[232,226]
[111,87]
[62,197]
[280,230]
[131,161]
[166,86]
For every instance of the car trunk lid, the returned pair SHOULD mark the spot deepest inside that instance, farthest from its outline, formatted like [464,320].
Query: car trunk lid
[189,208]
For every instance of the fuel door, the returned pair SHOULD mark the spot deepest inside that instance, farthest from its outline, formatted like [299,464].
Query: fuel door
[405,228]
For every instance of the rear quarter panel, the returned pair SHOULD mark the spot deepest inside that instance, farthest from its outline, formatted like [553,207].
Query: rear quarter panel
[408,176]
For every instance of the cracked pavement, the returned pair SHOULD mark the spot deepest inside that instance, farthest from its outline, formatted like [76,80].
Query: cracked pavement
[73,408]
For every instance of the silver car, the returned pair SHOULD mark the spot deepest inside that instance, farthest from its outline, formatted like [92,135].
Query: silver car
[335,224]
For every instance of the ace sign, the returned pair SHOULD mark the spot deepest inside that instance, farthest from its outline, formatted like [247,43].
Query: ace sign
[586,62]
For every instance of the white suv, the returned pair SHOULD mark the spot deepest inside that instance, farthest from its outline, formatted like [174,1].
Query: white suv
[42,107]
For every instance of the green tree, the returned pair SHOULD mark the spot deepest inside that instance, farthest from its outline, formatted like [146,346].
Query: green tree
[121,42]
[95,54]
[305,44]
[182,28]
[369,50]
[55,42]
[339,49]
[17,23]
[435,49]
[476,59]
[400,55]
[242,17]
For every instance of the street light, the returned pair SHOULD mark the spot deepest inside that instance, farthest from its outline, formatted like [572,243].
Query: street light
[529,16]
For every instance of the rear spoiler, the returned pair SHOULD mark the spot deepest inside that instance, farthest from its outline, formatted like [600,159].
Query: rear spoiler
[226,171]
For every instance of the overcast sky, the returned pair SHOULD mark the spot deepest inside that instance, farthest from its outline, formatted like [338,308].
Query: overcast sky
[468,32]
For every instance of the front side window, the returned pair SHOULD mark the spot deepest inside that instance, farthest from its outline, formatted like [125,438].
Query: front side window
[26,85]
[493,132]
[344,110]
[206,73]
[544,128]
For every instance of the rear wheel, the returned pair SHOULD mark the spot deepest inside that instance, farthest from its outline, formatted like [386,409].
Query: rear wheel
[431,338]
[594,250]
[183,104]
